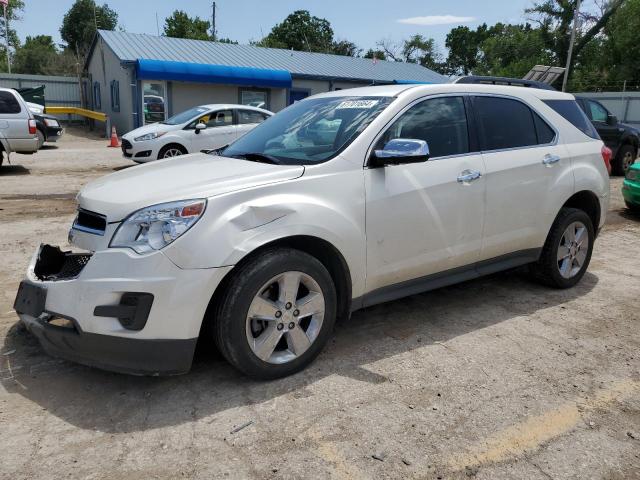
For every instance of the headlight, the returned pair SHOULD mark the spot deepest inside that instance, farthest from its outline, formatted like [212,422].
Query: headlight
[632,174]
[49,122]
[149,136]
[155,227]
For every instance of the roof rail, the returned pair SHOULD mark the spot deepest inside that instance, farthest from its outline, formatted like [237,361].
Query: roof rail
[516,82]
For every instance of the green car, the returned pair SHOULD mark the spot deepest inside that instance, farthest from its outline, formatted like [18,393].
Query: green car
[631,188]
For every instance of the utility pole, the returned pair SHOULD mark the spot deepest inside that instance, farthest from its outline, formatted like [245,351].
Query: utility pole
[6,33]
[213,20]
[576,19]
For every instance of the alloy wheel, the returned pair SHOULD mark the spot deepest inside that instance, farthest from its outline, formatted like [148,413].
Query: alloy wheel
[285,317]
[627,161]
[172,152]
[573,249]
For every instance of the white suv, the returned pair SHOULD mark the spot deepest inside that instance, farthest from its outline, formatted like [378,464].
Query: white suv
[341,201]
[206,127]
[18,128]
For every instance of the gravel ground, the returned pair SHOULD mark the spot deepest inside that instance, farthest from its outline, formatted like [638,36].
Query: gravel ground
[497,378]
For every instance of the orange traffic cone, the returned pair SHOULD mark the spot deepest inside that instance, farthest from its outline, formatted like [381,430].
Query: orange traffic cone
[114,138]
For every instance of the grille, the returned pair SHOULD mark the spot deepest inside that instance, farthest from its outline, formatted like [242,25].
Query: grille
[90,222]
[54,264]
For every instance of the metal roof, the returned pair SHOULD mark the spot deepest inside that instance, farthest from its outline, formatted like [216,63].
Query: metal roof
[134,46]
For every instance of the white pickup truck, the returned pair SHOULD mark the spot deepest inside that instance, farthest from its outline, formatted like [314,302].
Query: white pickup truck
[18,129]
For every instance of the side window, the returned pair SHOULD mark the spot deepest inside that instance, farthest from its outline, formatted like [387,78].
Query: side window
[543,130]
[441,122]
[96,96]
[598,112]
[222,118]
[504,123]
[115,96]
[250,116]
[571,112]
[9,103]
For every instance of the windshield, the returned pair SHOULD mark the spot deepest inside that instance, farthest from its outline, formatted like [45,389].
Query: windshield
[310,131]
[185,116]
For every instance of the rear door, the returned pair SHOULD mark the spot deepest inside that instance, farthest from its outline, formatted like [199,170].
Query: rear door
[248,120]
[220,131]
[525,169]
[14,123]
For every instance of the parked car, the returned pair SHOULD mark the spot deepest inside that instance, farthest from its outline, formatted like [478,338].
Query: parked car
[49,128]
[199,128]
[622,139]
[631,188]
[18,129]
[153,108]
[266,245]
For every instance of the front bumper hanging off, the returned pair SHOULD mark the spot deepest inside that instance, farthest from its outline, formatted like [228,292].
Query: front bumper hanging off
[116,310]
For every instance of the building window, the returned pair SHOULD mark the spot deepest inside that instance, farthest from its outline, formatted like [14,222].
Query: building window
[154,102]
[254,97]
[115,96]
[97,100]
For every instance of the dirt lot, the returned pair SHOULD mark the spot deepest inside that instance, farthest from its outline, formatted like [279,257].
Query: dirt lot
[497,378]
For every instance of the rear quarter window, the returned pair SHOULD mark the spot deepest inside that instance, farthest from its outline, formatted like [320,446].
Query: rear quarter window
[571,112]
[9,103]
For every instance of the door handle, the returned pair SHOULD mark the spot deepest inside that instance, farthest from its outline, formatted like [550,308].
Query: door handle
[550,159]
[468,176]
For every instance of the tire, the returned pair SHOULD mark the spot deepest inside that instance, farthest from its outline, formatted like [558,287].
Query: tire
[633,207]
[171,150]
[549,268]
[41,139]
[239,335]
[625,157]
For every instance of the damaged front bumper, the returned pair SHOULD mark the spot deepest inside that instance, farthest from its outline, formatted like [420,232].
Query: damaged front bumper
[115,309]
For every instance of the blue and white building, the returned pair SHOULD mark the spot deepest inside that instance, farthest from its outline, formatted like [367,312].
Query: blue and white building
[138,79]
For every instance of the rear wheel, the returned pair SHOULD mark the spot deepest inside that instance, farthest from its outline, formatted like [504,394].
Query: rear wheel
[172,150]
[40,139]
[276,314]
[625,158]
[567,252]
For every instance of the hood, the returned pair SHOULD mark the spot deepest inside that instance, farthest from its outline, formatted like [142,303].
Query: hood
[154,127]
[181,178]
[631,128]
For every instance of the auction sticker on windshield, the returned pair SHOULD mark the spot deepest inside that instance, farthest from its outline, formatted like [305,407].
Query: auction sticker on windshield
[357,104]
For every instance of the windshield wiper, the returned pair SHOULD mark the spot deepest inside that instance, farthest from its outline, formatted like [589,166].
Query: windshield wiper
[257,157]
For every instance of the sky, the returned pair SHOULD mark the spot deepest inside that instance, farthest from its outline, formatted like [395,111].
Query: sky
[363,22]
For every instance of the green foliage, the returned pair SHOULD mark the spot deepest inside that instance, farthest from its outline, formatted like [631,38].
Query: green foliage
[345,47]
[511,51]
[35,56]
[181,25]
[301,31]
[379,54]
[79,24]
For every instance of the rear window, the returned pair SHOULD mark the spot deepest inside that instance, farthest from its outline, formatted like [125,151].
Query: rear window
[9,103]
[570,110]
[504,123]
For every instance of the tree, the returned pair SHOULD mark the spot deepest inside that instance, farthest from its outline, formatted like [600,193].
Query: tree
[464,48]
[80,22]
[301,31]
[555,18]
[346,48]
[36,56]
[377,54]
[416,49]
[511,51]
[181,25]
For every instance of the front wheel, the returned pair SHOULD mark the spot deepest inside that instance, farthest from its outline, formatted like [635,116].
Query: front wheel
[625,158]
[276,314]
[567,252]
[172,150]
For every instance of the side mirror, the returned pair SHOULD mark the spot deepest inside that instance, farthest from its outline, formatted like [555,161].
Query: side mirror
[200,126]
[401,150]
[612,119]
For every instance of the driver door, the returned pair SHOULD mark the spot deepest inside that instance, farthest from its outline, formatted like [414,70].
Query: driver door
[220,131]
[424,219]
